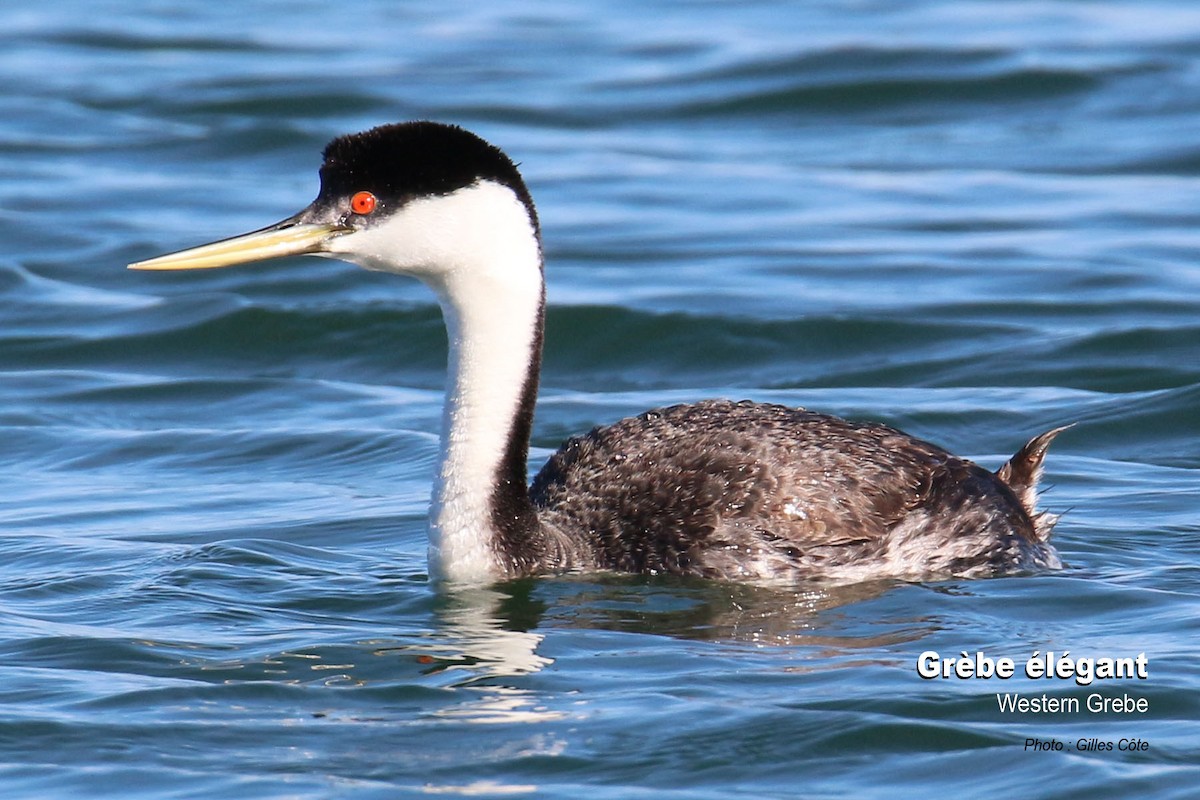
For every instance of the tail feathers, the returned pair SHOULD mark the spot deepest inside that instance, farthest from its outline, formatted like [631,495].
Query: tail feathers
[1022,473]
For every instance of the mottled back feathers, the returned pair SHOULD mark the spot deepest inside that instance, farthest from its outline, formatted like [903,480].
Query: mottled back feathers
[756,491]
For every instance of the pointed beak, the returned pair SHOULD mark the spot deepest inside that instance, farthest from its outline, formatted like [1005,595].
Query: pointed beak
[287,238]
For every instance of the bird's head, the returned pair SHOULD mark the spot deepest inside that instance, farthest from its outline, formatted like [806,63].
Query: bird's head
[416,198]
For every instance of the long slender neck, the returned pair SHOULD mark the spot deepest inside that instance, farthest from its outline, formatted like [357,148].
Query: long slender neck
[479,249]
[482,523]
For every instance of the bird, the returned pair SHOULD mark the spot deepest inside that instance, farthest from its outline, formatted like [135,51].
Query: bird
[727,490]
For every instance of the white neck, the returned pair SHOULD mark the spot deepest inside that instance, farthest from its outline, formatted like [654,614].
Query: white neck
[491,332]
[479,251]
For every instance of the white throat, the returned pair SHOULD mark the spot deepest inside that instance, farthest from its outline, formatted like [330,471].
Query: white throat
[478,249]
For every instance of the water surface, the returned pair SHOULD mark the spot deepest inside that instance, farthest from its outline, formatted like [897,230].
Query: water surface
[974,221]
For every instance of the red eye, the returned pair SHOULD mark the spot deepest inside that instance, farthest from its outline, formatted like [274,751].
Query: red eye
[363,203]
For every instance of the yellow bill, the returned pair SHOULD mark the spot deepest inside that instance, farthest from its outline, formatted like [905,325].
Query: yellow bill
[284,239]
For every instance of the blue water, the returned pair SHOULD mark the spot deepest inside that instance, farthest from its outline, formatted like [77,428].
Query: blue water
[972,220]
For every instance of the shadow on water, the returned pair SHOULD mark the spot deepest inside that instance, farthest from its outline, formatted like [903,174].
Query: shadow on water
[483,634]
[698,609]
[303,620]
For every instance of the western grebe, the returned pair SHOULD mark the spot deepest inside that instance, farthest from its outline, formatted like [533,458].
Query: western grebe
[729,490]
